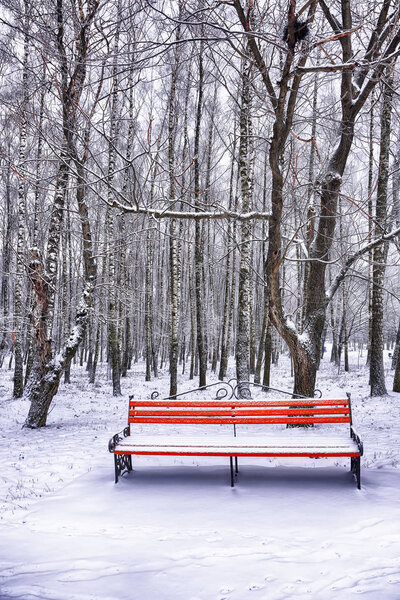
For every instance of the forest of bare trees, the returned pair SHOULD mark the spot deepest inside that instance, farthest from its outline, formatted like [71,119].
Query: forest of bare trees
[186,183]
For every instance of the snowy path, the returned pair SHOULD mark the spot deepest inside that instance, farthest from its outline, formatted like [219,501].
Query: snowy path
[180,532]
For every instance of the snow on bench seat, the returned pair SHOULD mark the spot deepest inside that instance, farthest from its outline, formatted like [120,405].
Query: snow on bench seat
[282,445]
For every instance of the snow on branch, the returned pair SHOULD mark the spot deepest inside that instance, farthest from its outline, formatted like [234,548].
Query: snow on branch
[196,216]
[327,68]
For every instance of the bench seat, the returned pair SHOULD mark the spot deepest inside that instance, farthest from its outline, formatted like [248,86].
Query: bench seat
[288,443]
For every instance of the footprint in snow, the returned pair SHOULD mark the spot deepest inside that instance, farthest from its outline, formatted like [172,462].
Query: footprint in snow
[225,592]
[255,587]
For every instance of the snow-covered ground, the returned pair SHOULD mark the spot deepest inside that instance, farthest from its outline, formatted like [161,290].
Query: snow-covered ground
[174,529]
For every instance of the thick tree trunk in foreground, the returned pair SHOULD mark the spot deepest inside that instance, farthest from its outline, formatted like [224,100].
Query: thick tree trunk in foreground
[49,367]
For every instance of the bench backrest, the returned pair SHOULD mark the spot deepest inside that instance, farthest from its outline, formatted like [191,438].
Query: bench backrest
[233,411]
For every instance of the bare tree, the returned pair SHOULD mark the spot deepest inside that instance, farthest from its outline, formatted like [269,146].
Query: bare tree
[43,277]
[356,86]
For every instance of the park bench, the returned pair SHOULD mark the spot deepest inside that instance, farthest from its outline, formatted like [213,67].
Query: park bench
[318,440]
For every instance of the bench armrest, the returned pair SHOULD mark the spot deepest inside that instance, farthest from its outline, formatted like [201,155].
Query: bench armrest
[114,441]
[357,439]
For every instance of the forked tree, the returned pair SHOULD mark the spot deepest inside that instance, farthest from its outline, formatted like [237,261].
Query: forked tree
[358,77]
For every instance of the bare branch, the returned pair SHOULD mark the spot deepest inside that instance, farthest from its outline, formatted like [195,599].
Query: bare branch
[352,259]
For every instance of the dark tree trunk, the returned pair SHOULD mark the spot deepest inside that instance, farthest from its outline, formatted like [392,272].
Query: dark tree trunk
[377,371]
[267,355]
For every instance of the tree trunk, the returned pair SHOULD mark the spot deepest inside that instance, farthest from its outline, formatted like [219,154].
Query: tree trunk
[229,279]
[49,368]
[396,380]
[173,229]
[370,223]
[198,245]
[377,371]
[148,313]
[18,305]
[6,263]
[267,355]
[113,330]
[243,318]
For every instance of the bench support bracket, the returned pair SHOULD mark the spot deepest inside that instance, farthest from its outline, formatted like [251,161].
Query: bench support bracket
[122,464]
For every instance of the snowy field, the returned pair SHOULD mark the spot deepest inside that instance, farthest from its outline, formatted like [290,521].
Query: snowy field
[174,529]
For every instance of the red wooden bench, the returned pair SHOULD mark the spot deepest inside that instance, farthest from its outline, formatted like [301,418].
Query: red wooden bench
[318,441]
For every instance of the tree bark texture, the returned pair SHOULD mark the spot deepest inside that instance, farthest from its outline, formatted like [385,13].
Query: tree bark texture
[243,310]
[377,371]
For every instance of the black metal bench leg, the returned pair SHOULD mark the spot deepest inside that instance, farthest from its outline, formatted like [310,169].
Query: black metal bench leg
[122,463]
[116,468]
[352,465]
[236,465]
[232,477]
[358,472]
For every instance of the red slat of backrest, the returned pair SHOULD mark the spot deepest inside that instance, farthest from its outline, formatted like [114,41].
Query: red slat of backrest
[241,421]
[234,403]
[241,412]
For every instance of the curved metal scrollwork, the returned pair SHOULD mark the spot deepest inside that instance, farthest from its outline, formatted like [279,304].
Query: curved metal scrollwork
[117,438]
[242,390]
[224,390]
[221,394]
[230,389]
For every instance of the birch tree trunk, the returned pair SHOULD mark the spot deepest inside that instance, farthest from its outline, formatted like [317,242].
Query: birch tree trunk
[49,367]
[377,371]
[243,314]
[173,229]
[6,264]
[113,337]
[370,222]
[18,303]
[149,304]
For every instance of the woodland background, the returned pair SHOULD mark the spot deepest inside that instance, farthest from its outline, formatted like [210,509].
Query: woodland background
[185,182]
